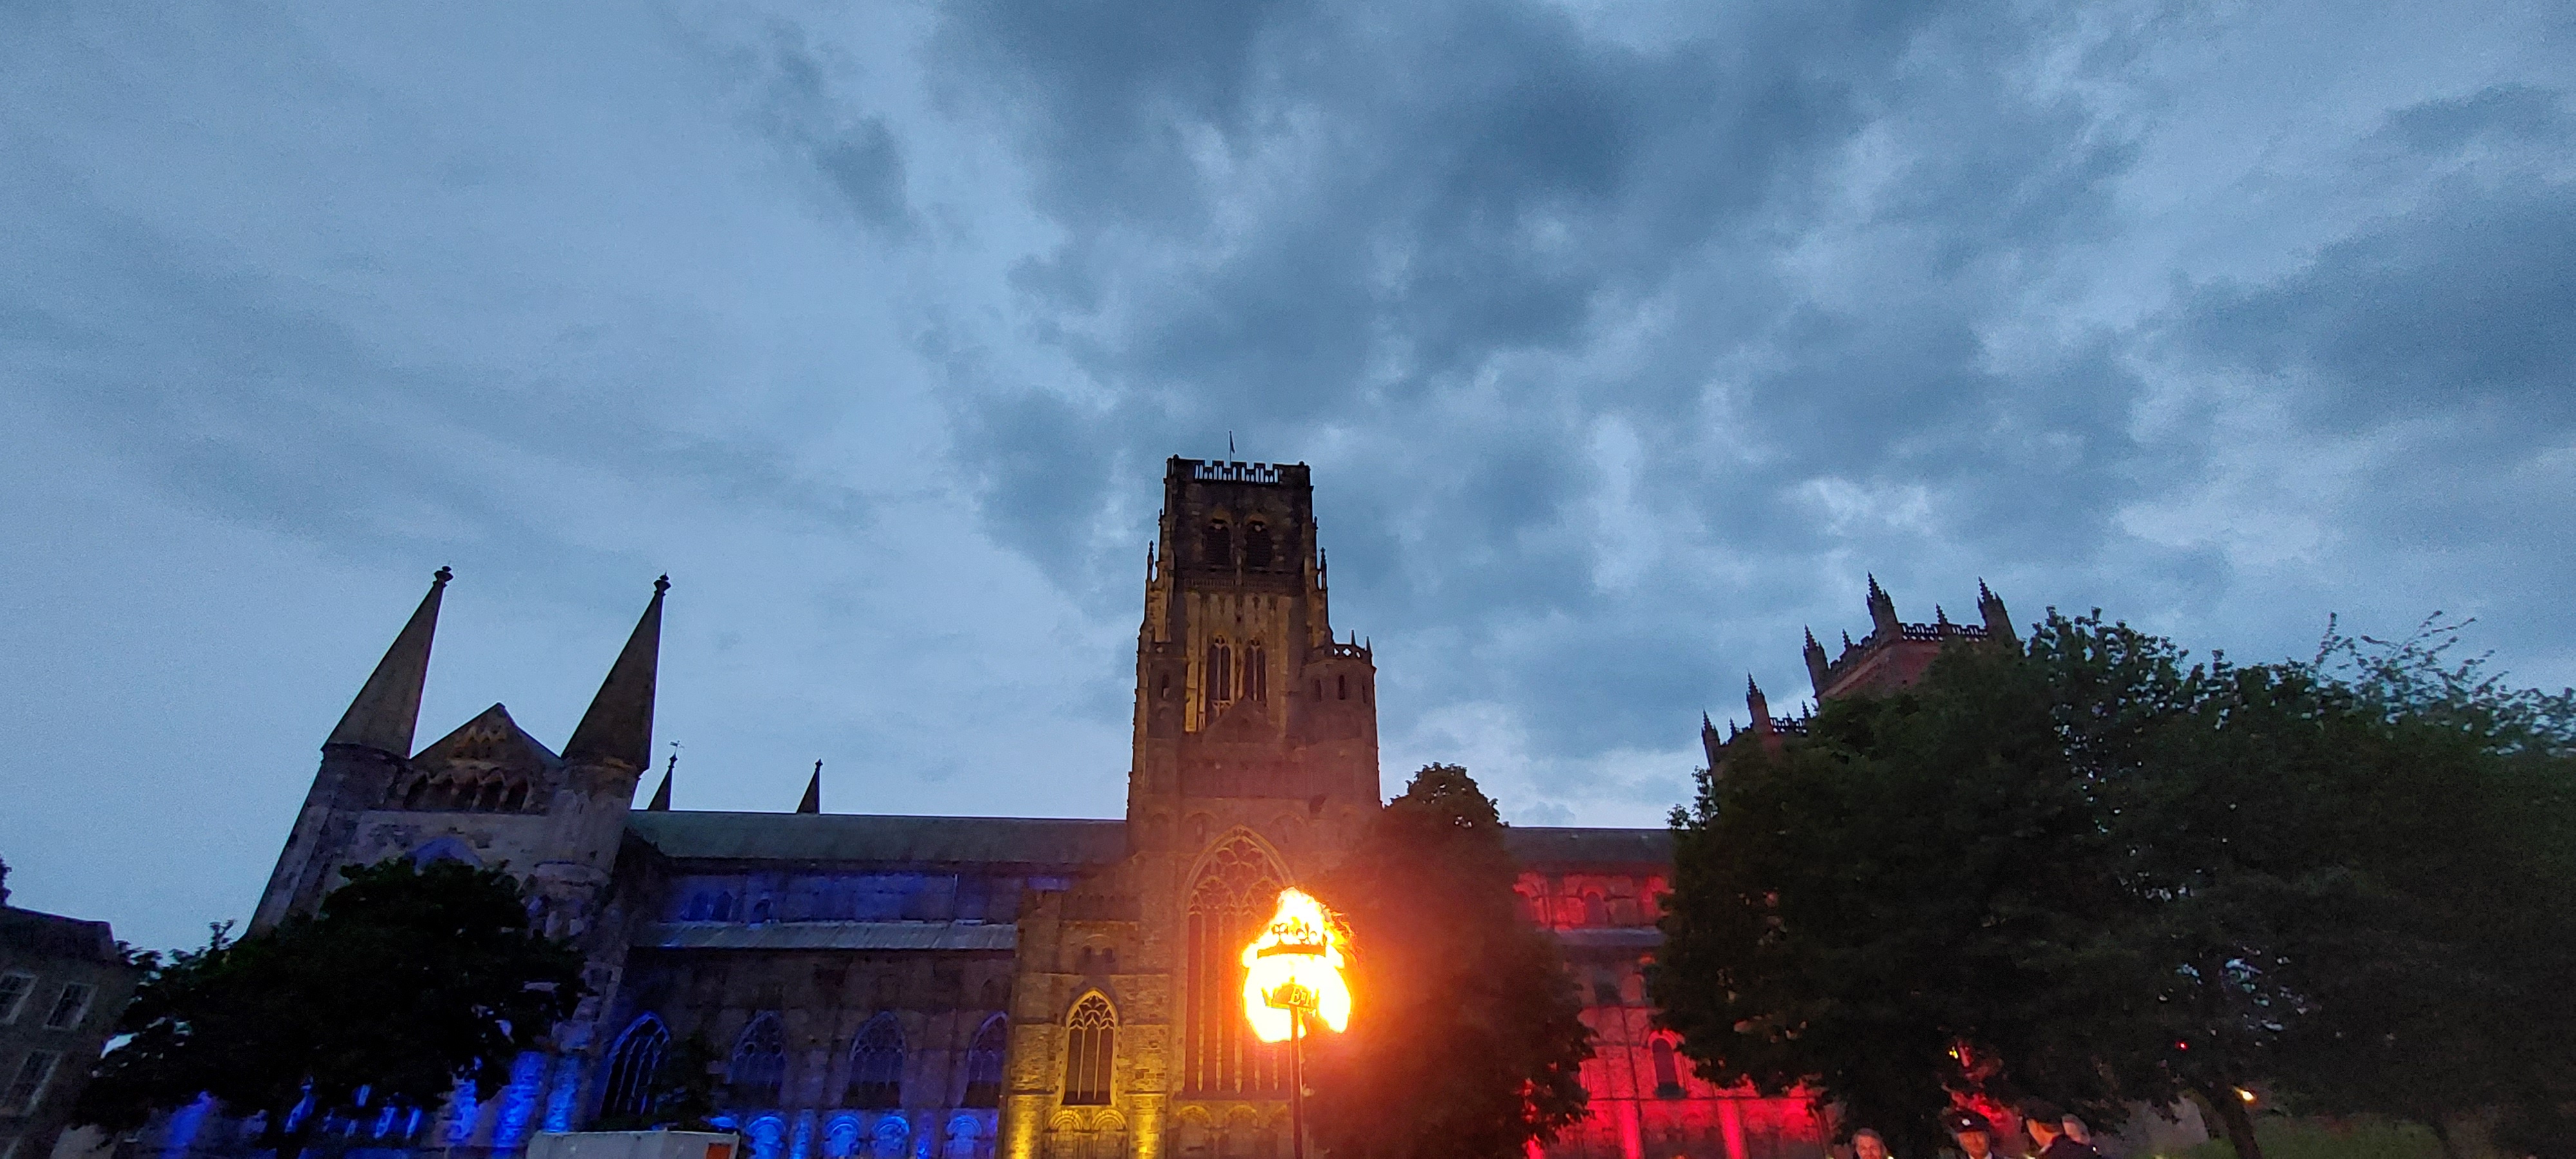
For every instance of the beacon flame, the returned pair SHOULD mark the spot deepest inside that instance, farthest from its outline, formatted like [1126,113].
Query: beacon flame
[1296,964]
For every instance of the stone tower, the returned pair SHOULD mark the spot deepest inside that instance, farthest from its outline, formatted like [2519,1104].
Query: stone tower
[487,793]
[1255,767]
[364,757]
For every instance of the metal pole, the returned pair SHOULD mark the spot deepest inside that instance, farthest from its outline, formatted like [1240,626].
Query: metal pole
[1297,1083]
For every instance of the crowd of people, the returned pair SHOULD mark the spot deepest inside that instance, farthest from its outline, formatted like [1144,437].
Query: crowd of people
[2054,1134]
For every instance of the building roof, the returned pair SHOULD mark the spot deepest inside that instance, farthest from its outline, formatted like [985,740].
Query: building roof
[50,936]
[1055,842]
[829,936]
[1038,841]
[1535,846]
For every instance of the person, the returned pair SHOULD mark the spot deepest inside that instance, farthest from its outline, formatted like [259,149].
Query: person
[2076,1130]
[1976,1136]
[1868,1144]
[2046,1123]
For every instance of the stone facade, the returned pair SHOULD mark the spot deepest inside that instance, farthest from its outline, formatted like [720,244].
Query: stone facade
[62,982]
[963,988]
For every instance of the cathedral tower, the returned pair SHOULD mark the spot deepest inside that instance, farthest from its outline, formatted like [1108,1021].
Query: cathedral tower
[1255,767]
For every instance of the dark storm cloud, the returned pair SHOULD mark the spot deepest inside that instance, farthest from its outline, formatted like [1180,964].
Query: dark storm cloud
[789,83]
[2467,301]
[1450,241]
[1625,338]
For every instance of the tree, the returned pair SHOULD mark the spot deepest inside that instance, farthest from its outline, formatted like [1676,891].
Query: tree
[2122,877]
[1915,888]
[2464,797]
[406,983]
[1466,1040]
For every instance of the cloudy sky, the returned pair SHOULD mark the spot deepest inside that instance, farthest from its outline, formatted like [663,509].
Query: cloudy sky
[1625,338]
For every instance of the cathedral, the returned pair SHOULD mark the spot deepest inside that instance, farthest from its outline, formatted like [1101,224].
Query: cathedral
[970,987]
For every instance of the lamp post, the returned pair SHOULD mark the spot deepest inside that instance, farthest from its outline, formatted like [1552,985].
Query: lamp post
[1292,973]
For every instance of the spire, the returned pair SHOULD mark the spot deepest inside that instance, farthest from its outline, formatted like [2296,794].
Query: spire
[813,802]
[1817,664]
[1709,741]
[619,725]
[1758,705]
[1990,607]
[1882,612]
[662,796]
[388,707]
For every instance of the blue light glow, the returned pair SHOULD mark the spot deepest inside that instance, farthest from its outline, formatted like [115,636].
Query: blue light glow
[460,1115]
[565,1098]
[518,1101]
[767,1132]
[184,1126]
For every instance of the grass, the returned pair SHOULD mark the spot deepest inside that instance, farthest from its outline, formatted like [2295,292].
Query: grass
[2287,1138]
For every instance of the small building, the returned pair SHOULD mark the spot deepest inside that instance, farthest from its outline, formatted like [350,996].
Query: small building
[62,983]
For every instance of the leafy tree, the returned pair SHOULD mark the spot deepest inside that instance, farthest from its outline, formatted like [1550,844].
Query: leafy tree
[1917,886]
[1465,1040]
[2463,797]
[405,983]
[2124,877]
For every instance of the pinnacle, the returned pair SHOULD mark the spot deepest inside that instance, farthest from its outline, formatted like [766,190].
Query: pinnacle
[386,711]
[619,724]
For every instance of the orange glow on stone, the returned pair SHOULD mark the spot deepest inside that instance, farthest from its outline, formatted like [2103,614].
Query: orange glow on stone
[1296,964]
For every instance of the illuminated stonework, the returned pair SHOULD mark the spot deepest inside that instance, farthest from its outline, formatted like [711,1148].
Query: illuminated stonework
[965,988]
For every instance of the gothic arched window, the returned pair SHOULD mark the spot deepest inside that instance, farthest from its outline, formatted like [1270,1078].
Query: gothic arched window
[632,1066]
[759,1066]
[1220,673]
[1090,1046]
[1256,672]
[419,789]
[1236,890]
[1594,912]
[1217,546]
[876,1065]
[517,800]
[984,1063]
[1256,546]
[1668,1072]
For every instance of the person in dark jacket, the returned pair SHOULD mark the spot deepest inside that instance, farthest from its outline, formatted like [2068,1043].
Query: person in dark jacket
[1976,1136]
[2046,1122]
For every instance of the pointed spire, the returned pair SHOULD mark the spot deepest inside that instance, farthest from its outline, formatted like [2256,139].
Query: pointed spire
[619,725]
[1990,608]
[662,796]
[1817,664]
[1882,612]
[387,709]
[1758,705]
[813,802]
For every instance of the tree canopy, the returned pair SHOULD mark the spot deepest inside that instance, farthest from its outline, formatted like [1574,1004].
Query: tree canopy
[2092,871]
[1465,1039]
[405,983]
